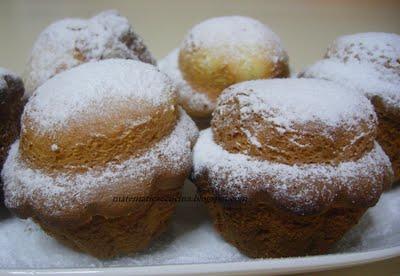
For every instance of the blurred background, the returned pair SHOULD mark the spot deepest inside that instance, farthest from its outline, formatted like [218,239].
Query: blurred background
[305,26]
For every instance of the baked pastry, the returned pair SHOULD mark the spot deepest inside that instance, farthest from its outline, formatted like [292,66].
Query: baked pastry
[382,50]
[11,106]
[369,63]
[198,105]
[219,52]
[99,166]
[291,165]
[69,42]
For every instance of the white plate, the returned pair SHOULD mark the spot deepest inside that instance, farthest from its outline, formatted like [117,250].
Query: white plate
[192,246]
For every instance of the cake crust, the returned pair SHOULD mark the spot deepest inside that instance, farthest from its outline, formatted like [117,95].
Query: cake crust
[247,118]
[272,207]
[260,230]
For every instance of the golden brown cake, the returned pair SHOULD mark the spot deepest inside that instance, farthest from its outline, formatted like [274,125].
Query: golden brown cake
[198,105]
[96,163]
[11,106]
[291,165]
[219,52]
[69,42]
[369,63]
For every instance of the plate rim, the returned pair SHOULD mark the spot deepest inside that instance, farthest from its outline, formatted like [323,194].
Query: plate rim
[270,266]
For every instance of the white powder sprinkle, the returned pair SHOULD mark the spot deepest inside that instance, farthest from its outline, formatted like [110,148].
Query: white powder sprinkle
[196,101]
[252,139]
[359,76]
[232,33]
[94,88]
[382,49]
[190,239]
[5,72]
[63,191]
[286,102]
[301,184]
[54,147]
[65,43]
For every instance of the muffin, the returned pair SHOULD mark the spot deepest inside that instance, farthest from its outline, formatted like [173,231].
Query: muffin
[289,166]
[219,52]
[11,106]
[69,42]
[99,167]
[369,63]
[198,105]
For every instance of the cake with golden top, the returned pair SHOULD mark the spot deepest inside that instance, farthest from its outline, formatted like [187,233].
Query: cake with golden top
[198,105]
[72,41]
[99,132]
[291,165]
[369,63]
[222,51]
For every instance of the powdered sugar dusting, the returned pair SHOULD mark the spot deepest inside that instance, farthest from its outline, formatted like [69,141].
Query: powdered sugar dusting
[72,41]
[231,33]
[91,88]
[362,77]
[380,48]
[191,99]
[64,190]
[304,186]
[190,239]
[299,101]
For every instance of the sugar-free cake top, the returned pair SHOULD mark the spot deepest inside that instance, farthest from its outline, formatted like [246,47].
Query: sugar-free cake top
[97,89]
[232,32]
[382,49]
[69,42]
[360,77]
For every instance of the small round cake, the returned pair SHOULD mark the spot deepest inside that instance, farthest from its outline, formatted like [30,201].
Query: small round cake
[197,104]
[114,134]
[11,106]
[69,42]
[223,51]
[292,165]
[369,63]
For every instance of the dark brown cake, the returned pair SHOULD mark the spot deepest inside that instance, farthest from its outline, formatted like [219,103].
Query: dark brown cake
[11,106]
[278,190]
